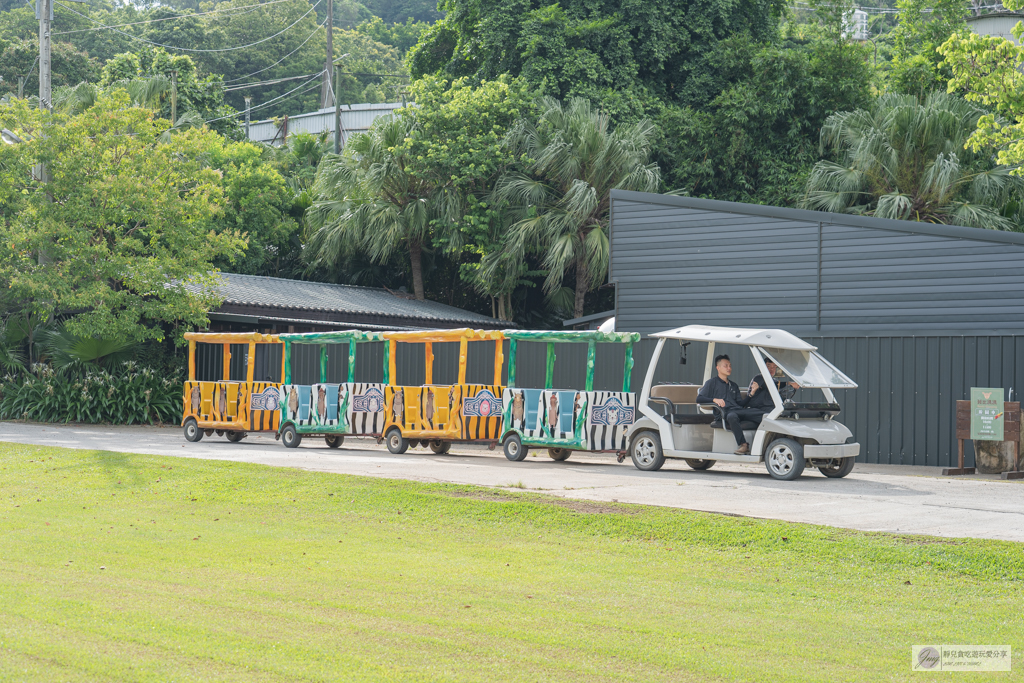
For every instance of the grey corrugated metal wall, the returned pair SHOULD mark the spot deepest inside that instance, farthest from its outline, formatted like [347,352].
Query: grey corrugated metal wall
[915,313]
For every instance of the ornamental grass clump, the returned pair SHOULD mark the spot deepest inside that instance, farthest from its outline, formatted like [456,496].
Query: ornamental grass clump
[128,395]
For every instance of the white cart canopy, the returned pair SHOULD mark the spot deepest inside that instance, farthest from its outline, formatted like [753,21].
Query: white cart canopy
[776,339]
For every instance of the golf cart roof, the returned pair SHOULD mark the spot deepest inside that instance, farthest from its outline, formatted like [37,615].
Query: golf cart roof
[777,339]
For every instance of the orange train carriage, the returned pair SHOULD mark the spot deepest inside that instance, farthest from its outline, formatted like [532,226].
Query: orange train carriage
[240,387]
[441,414]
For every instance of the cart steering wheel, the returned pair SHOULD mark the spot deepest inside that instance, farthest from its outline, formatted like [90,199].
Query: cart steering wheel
[787,392]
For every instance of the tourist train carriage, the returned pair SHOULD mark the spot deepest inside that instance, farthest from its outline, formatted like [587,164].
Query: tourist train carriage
[440,414]
[567,420]
[327,409]
[237,387]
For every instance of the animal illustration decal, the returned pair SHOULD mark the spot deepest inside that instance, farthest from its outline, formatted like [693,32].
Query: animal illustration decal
[518,409]
[321,403]
[428,407]
[484,404]
[553,413]
[613,412]
[372,401]
[223,401]
[293,402]
[398,407]
[196,399]
[268,399]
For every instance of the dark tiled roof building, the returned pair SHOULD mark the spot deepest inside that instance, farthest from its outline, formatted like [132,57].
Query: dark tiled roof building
[273,304]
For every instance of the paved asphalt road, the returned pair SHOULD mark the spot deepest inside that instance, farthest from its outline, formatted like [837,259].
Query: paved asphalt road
[873,498]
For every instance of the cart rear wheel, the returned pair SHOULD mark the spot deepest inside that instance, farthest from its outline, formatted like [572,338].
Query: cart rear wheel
[290,436]
[784,459]
[514,448]
[696,464]
[235,437]
[838,468]
[192,431]
[334,440]
[219,432]
[397,444]
[645,451]
[559,454]
[440,447]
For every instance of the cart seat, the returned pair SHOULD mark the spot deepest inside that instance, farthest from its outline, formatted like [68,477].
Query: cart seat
[678,403]
[744,424]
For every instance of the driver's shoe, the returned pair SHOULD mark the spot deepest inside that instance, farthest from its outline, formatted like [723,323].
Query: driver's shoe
[743,450]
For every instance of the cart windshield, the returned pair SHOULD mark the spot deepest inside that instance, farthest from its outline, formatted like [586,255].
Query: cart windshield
[808,369]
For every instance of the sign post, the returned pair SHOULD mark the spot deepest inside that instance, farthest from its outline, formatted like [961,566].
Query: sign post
[986,417]
[987,414]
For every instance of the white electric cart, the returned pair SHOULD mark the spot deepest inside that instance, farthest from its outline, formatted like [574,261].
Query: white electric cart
[791,436]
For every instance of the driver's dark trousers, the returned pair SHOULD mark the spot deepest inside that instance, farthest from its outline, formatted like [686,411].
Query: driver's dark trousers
[733,418]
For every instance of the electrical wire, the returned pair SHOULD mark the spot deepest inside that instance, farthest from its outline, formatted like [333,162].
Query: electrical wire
[270,102]
[180,16]
[315,31]
[188,49]
[273,81]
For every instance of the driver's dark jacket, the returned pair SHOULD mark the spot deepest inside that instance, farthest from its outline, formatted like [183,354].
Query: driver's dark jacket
[762,400]
[727,391]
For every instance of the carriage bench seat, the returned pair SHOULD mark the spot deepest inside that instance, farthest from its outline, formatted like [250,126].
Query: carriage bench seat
[674,398]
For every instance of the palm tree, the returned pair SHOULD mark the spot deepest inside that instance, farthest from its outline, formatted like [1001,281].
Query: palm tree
[906,159]
[366,199]
[561,203]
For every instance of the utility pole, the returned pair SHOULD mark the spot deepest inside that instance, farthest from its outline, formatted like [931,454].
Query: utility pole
[21,87]
[327,92]
[174,98]
[248,106]
[44,12]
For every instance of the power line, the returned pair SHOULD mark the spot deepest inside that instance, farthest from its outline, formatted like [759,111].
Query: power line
[188,49]
[274,81]
[180,16]
[315,31]
[270,102]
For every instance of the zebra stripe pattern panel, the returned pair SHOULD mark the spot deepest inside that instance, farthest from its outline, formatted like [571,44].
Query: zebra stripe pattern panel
[609,417]
[363,408]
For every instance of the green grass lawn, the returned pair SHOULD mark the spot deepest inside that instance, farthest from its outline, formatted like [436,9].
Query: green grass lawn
[129,567]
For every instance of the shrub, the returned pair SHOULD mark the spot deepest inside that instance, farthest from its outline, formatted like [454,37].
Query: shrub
[130,395]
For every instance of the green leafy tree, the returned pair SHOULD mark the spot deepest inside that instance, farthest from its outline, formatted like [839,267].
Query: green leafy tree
[399,36]
[989,71]
[923,26]
[120,240]
[458,147]
[367,57]
[573,160]
[905,159]
[18,58]
[392,11]
[623,55]
[368,200]
[757,139]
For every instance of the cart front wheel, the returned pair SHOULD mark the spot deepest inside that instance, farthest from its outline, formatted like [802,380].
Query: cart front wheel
[290,436]
[838,468]
[192,431]
[645,451]
[334,440]
[559,454]
[440,447]
[514,448]
[696,464]
[784,459]
[396,443]
[235,437]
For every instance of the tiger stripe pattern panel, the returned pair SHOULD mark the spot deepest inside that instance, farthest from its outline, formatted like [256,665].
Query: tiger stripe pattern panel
[263,399]
[609,418]
[481,412]
[363,407]
[423,411]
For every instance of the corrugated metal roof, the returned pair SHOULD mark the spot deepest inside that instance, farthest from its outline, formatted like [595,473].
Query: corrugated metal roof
[298,295]
[355,118]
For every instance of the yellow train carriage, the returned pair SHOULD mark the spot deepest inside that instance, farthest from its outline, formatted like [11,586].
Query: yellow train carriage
[441,414]
[245,397]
